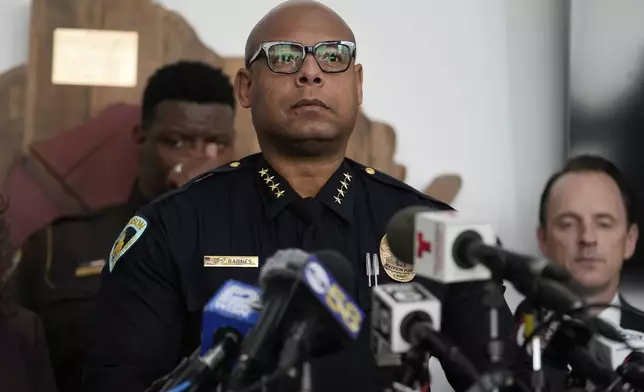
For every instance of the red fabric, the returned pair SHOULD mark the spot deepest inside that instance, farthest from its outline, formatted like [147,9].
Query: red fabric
[96,162]
[30,208]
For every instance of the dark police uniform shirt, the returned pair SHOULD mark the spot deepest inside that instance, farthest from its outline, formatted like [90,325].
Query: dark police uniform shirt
[59,276]
[24,357]
[179,250]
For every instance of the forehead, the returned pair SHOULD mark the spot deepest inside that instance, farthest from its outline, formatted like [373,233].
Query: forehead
[308,27]
[184,111]
[586,193]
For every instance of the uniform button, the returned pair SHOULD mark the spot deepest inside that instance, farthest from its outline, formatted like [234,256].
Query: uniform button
[234,164]
[370,170]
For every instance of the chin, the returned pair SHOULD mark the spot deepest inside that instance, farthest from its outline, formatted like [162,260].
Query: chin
[313,131]
[592,284]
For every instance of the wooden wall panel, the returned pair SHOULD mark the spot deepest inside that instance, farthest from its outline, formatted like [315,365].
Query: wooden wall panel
[12,116]
[54,108]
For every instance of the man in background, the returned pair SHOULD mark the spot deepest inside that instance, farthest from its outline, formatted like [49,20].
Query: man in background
[186,129]
[24,357]
[587,224]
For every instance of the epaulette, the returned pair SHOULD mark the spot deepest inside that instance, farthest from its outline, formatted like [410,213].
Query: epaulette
[390,181]
[226,168]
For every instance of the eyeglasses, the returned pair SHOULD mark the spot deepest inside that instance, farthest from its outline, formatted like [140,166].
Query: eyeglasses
[286,57]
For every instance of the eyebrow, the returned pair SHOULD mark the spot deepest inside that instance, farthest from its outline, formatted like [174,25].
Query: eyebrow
[599,215]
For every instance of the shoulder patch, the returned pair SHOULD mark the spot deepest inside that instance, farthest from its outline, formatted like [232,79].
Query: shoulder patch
[128,237]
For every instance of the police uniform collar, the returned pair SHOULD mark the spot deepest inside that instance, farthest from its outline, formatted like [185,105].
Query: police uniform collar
[277,194]
[136,199]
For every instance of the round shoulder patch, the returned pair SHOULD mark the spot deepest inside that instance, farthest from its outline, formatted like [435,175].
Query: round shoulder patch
[130,234]
[396,269]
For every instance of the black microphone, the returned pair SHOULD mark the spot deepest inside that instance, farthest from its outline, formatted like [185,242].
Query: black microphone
[326,327]
[261,345]
[569,345]
[307,314]
[632,370]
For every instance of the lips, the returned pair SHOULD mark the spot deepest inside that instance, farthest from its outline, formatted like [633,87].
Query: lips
[310,102]
[587,259]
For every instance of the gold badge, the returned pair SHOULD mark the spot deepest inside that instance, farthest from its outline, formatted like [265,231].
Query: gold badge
[231,261]
[396,269]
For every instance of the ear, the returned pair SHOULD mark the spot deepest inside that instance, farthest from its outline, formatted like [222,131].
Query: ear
[139,134]
[631,241]
[242,87]
[358,71]
[541,239]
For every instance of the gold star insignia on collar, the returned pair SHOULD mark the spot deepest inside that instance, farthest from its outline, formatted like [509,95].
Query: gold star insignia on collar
[344,187]
[274,187]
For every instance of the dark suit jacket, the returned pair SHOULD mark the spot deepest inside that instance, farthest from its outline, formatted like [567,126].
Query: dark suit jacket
[24,357]
[632,318]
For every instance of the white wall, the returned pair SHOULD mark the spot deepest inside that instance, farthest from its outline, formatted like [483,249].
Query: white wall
[481,92]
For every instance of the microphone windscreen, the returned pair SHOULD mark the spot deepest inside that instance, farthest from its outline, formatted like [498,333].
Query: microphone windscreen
[339,267]
[285,264]
[400,232]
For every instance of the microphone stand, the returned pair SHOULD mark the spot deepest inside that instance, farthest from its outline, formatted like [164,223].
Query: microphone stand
[498,377]
[416,363]
[537,379]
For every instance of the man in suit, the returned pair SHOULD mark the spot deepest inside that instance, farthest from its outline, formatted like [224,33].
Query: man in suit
[187,118]
[587,224]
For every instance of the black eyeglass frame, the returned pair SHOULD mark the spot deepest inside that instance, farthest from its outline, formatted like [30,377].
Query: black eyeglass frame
[265,47]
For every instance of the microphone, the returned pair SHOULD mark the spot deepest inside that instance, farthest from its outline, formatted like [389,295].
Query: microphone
[235,305]
[308,313]
[632,370]
[398,307]
[405,318]
[329,328]
[449,247]
[227,317]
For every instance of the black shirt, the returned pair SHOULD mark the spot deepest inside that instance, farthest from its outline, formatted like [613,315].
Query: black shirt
[24,357]
[151,301]
[58,278]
